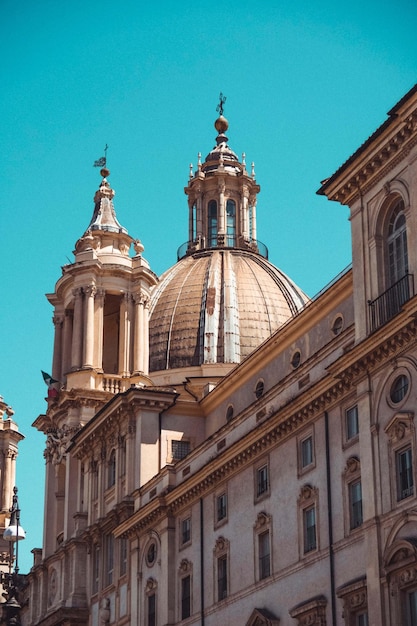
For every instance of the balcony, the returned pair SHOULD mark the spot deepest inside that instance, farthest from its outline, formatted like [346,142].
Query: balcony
[222,242]
[389,303]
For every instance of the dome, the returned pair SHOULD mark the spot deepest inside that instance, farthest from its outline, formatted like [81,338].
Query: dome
[217,306]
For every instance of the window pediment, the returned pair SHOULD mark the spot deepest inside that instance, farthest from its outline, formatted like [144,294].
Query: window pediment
[400,427]
[262,617]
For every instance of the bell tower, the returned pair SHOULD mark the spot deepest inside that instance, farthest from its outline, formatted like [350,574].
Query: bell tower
[101,312]
[101,348]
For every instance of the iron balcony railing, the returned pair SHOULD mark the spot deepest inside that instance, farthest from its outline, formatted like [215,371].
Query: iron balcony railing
[254,245]
[389,303]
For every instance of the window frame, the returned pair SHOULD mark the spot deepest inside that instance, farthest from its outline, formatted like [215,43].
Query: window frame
[111,469]
[185,599]
[305,464]
[355,506]
[262,486]
[109,560]
[181,444]
[400,432]
[217,496]
[308,502]
[185,531]
[351,434]
[396,247]
[409,471]
[221,554]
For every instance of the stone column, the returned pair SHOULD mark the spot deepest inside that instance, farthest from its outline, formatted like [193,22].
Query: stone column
[138,338]
[66,341]
[244,215]
[199,218]
[190,219]
[9,477]
[253,205]
[220,225]
[58,321]
[77,331]
[145,335]
[124,336]
[99,307]
[90,293]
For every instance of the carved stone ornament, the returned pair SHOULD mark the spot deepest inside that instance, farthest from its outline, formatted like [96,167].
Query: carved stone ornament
[221,545]
[52,586]
[185,566]
[399,427]
[262,521]
[307,492]
[151,585]
[57,441]
[353,465]
[105,611]
[311,613]
[262,617]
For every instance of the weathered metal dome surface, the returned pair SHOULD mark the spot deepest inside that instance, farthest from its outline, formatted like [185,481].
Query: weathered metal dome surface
[217,306]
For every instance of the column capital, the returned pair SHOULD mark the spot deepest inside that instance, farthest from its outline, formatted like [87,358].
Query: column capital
[90,290]
[58,320]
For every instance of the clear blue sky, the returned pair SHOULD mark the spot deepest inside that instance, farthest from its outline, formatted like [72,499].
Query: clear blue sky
[306,83]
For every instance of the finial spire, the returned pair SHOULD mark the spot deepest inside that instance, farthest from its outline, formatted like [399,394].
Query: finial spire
[222,100]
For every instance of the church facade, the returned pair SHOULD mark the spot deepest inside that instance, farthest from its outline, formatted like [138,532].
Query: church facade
[221,448]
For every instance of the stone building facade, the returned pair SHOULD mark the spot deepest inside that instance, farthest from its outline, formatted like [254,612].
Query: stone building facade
[221,448]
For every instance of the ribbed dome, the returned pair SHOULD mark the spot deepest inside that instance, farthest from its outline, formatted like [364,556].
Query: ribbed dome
[217,306]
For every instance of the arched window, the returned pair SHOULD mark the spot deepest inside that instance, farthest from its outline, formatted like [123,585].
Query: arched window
[230,223]
[212,223]
[397,244]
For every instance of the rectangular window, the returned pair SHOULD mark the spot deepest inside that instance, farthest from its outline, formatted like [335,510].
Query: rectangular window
[152,610]
[122,556]
[352,422]
[222,577]
[262,483]
[94,483]
[123,451]
[310,539]
[306,452]
[361,619]
[185,597]
[109,559]
[186,530]
[355,503]
[221,507]
[264,555]
[412,608]
[179,449]
[96,568]
[405,481]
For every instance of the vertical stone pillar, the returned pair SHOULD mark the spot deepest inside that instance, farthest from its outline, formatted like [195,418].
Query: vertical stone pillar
[124,336]
[253,205]
[199,217]
[57,357]
[190,219]
[221,223]
[66,342]
[138,338]
[145,335]
[9,477]
[99,307]
[90,293]
[77,331]
[244,217]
